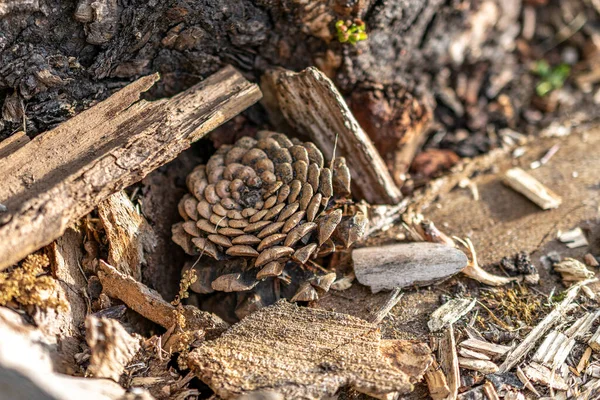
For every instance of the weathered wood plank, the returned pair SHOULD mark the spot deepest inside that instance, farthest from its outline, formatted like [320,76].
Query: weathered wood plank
[62,174]
[312,105]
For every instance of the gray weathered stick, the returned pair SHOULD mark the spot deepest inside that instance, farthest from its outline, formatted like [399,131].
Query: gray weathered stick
[312,105]
[406,264]
[62,174]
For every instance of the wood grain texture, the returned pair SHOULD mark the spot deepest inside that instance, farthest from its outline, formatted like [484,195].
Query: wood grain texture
[312,105]
[305,353]
[62,174]
[406,264]
[129,234]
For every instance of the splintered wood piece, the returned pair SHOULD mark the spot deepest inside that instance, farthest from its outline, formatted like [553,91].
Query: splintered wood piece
[406,264]
[525,381]
[540,329]
[528,186]
[302,352]
[312,105]
[436,382]
[128,233]
[490,349]
[450,312]
[111,346]
[483,366]
[449,361]
[545,376]
[149,303]
[62,174]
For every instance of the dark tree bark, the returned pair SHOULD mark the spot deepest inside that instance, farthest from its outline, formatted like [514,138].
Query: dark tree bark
[59,57]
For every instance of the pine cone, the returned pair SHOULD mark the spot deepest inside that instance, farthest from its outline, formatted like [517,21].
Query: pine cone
[272,202]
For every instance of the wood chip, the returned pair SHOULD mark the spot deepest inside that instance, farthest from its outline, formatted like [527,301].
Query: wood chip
[59,176]
[540,329]
[436,382]
[584,360]
[468,353]
[406,264]
[544,376]
[481,346]
[574,238]
[531,188]
[301,352]
[572,270]
[128,233]
[111,346]
[523,378]
[449,313]
[483,366]
[312,105]
[449,361]
[590,260]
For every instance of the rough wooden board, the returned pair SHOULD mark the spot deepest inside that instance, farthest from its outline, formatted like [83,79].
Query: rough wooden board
[62,174]
[313,106]
[151,305]
[406,264]
[300,353]
[503,222]
[129,234]
[111,346]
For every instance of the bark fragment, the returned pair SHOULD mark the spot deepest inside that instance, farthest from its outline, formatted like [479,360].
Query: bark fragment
[111,346]
[271,350]
[128,233]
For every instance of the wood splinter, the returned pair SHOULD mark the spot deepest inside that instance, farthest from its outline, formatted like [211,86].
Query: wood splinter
[531,188]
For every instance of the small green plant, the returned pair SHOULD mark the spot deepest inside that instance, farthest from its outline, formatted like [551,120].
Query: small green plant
[351,31]
[551,78]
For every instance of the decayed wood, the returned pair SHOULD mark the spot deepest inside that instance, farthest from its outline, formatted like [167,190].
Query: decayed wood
[26,370]
[111,346]
[540,329]
[62,174]
[544,376]
[449,313]
[483,366]
[525,381]
[64,254]
[151,305]
[449,361]
[531,188]
[307,353]
[312,105]
[406,264]
[128,234]
[436,382]
[572,270]
[490,349]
